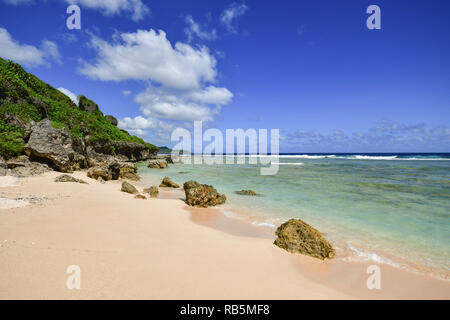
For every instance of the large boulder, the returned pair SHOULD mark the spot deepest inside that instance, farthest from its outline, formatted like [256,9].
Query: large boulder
[87,105]
[128,171]
[157,164]
[51,145]
[166,182]
[129,188]
[202,195]
[111,120]
[296,236]
[108,171]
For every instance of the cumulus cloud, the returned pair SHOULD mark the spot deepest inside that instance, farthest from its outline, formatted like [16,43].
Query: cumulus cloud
[384,136]
[180,80]
[194,29]
[25,54]
[230,15]
[145,55]
[70,94]
[136,8]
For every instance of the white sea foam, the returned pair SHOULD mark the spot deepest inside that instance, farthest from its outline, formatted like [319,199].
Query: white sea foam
[360,254]
[288,163]
[264,224]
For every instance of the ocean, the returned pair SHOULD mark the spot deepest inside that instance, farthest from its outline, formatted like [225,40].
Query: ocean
[387,208]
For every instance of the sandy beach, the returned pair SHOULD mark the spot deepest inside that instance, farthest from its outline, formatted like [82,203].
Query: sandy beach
[130,248]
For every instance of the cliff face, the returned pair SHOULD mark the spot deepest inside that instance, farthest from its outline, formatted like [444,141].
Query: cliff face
[40,121]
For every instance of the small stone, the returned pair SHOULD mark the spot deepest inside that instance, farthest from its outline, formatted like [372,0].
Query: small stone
[166,182]
[140,196]
[152,191]
[129,188]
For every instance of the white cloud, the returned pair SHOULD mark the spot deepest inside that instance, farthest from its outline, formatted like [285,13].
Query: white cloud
[148,55]
[161,103]
[27,54]
[213,95]
[194,29]
[70,94]
[126,93]
[137,8]
[230,15]
[179,80]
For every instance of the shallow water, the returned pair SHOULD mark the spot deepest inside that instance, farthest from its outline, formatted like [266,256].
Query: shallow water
[387,208]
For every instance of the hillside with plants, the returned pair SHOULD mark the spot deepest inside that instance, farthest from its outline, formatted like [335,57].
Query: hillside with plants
[26,100]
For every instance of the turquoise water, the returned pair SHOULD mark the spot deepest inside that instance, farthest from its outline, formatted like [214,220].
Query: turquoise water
[385,208]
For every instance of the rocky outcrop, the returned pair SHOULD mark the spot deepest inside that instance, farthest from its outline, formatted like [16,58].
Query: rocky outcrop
[21,166]
[51,145]
[167,158]
[157,164]
[87,105]
[202,195]
[108,171]
[296,236]
[246,193]
[111,120]
[122,150]
[166,182]
[69,178]
[129,188]
[128,171]
[152,191]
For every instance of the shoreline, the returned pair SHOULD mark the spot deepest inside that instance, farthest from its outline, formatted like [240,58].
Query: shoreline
[137,249]
[348,251]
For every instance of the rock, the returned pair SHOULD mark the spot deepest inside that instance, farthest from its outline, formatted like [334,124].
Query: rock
[2,163]
[99,171]
[129,151]
[166,182]
[246,193]
[108,171]
[20,161]
[140,196]
[152,191]
[51,145]
[15,121]
[87,105]
[296,236]
[191,184]
[158,164]
[128,187]
[21,166]
[128,171]
[40,105]
[69,178]
[112,120]
[202,195]
[100,179]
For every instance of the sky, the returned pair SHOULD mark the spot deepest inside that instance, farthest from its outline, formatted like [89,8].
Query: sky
[310,68]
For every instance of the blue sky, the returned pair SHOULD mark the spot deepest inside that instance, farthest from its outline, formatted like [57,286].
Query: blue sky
[310,68]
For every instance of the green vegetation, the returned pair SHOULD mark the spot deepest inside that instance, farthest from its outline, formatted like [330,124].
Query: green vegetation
[164,150]
[28,98]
